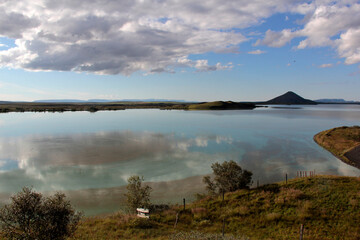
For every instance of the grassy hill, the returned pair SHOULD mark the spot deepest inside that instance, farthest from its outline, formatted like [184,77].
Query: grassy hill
[328,206]
[221,105]
[343,142]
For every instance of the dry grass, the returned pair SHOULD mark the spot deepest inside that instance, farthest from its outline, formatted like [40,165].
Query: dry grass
[340,141]
[327,205]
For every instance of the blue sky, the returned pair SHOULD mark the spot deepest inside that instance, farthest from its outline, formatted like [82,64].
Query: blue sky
[188,50]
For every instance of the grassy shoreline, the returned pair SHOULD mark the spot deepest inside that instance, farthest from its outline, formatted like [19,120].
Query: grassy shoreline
[328,206]
[342,142]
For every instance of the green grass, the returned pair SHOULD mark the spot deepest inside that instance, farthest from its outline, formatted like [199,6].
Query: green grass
[328,206]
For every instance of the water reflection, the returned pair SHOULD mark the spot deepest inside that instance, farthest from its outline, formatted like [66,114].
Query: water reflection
[104,159]
[93,154]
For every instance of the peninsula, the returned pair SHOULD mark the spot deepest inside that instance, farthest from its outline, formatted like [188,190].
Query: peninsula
[342,142]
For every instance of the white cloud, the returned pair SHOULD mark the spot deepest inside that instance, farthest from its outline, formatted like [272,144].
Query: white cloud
[326,65]
[257,52]
[326,23]
[112,37]
[277,39]
[203,66]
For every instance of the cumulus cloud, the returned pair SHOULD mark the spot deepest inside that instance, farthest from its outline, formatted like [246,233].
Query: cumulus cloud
[203,66]
[257,52]
[326,65]
[277,39]
[112,37]
[326,23]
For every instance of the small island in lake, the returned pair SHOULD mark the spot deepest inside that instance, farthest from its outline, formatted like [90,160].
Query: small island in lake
[342,142]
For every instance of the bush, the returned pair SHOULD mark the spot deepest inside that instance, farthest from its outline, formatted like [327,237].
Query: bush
[229,177]
[137,195]
[32,216]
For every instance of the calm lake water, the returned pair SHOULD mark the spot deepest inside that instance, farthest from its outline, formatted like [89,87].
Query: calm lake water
[91,155]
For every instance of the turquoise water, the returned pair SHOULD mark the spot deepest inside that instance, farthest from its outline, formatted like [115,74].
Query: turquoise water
[80,150]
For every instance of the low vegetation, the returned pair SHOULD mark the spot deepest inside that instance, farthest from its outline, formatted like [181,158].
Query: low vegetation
[30,215]
[343,142]
[220,105]
[138,195]
[328,206]
[228,177]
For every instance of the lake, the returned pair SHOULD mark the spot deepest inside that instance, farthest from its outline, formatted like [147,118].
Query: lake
[89,156]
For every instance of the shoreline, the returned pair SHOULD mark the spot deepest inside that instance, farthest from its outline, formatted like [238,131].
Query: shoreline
[340,143]
[115,106]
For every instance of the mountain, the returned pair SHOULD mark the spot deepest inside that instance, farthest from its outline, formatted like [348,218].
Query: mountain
[290,98]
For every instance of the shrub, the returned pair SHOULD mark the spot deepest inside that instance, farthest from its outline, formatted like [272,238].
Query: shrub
[137,195]
[32,216]
[229,177]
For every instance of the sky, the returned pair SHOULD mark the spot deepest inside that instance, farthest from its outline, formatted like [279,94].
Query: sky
[237,50]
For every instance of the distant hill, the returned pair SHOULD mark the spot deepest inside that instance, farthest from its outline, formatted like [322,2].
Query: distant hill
[60,101]
[335,100]
[104,100]
[290,98]
[221,105]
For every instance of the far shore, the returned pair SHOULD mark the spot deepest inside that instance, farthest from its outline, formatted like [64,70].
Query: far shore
[114,106]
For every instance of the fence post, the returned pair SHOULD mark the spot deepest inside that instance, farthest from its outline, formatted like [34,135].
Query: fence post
[301,231]
[286,178]
[184,203]
[223,227]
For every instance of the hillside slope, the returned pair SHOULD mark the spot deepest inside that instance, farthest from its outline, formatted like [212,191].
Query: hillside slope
[328,206]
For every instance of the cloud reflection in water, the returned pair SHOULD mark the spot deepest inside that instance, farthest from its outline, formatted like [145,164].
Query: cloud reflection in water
[103,159]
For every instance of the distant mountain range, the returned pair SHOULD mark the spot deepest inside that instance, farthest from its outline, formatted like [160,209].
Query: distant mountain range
[290,98]
[104,100]
[335,100]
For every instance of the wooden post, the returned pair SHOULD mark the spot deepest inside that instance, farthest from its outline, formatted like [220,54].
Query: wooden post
[184,203]
[286,178]
[223,227]
[301,231]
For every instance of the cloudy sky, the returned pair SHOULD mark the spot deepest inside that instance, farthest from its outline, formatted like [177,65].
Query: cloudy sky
[168,49]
